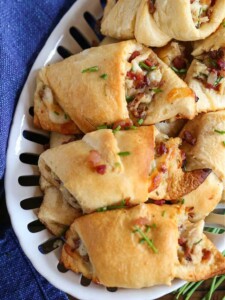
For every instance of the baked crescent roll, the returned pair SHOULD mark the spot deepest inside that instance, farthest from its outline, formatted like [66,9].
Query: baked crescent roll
[48,114]
[55,212]
[133,19]
[109,83]
[177,56]
[168,181]
[103,168]
[213,42]
[206,76]
[140,247]
[203,143]
[187,20]
[119,19]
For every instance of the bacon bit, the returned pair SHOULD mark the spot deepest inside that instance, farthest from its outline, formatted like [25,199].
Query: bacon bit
[161,149]
[179,62]
[156,180]
[140,80]
[101,169]
[188,138]
[134,55]
[182,242]
[151,5]
[141,221]
[206,254]
[151,62]
[177,93]
[94,158]
[163,168]
[76,243]
[159,202]
[124,124]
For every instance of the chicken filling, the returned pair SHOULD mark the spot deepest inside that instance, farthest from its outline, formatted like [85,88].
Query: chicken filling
[211,70]
[143,82]
[191,244]
[55,113]
[201,11]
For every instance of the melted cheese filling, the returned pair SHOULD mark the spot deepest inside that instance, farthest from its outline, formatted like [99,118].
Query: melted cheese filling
[55,113]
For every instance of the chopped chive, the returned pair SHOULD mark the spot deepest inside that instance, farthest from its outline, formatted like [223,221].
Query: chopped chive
[218,80]
[147,228]
[182,201]
[223,142]
[223,23]
[56,113]
[111,207]
[146,67]
[219,131]
[104,76]
[156,90]
[125,153]
[117,129]
[66,116]
[196,243]
[102,127]
[117,164]
[140,121]
[101,209]
[90,70]
[133,127]
[163,213]
[147,240]
[129,98]
[179,71]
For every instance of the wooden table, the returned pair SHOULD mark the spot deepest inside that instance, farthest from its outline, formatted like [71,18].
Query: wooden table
[198,295]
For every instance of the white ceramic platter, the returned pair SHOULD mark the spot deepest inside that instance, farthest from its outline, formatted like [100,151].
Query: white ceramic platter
[26,143]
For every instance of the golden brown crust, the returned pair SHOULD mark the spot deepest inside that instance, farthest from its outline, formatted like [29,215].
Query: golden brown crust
[41,112]
[121,260]
[126,177]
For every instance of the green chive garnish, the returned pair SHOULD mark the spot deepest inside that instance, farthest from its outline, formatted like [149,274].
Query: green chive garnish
[66,116]
[163,213]
[56,113]
[223,143]
[90,70]
[146,67]
[125,153]
[156,90]
[129,98]
[218,80]
[196,243]
[223,23]
[140,121]
[219,131]
[145,238]
[111,207]
[117,129]
[179,71]
[117,164]
[102,127]
[104,76]
[182,201]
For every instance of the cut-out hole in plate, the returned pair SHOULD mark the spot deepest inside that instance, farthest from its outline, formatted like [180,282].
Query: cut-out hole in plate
[31,111]
[112,289]
[63,52]
[61,268]
[29,158]
[85,281]
[94,24]
[29,180]
[31,203]
[35,137]
[79,38]
[35,226]
[50,245]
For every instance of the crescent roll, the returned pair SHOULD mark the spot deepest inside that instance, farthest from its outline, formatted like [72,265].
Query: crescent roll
[206,75]
[109,83]
[203,142]
[106,168]
[187,20]
[55,211]
[140,247]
